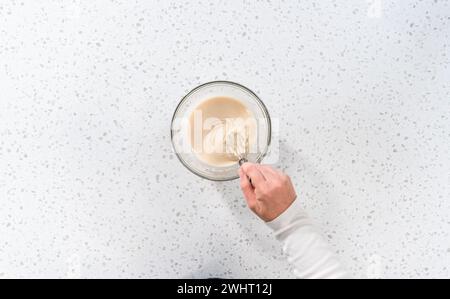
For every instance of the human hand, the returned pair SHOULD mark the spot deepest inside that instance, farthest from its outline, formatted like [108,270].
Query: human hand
[268,192]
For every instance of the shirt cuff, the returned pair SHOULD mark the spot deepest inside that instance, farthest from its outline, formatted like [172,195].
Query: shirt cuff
[293,213]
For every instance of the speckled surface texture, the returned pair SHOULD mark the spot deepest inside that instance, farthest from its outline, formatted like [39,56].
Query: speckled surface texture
[90,187]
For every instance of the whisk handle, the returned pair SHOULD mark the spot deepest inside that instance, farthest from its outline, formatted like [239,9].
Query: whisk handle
[242,161]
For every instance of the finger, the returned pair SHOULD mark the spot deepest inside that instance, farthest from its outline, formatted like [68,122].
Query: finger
[252,171]
[247,189]
[269,173]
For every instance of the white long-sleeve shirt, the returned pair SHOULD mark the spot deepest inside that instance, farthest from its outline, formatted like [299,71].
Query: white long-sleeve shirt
[307,250]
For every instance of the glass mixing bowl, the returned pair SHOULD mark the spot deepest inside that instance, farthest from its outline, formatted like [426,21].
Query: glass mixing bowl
[180,135]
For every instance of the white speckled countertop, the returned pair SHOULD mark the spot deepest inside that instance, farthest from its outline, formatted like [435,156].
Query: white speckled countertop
[90,187]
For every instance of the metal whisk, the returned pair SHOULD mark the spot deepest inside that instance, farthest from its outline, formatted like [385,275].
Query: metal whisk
[237,144]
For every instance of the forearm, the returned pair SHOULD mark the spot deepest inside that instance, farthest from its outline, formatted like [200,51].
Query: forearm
[307,250]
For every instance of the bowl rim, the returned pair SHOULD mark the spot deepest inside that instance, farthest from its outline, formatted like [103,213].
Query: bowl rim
[260,102]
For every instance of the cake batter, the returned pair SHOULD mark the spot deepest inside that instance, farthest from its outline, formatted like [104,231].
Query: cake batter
[217,126]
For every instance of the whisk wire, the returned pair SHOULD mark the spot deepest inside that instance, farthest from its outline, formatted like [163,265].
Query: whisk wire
[240,145]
